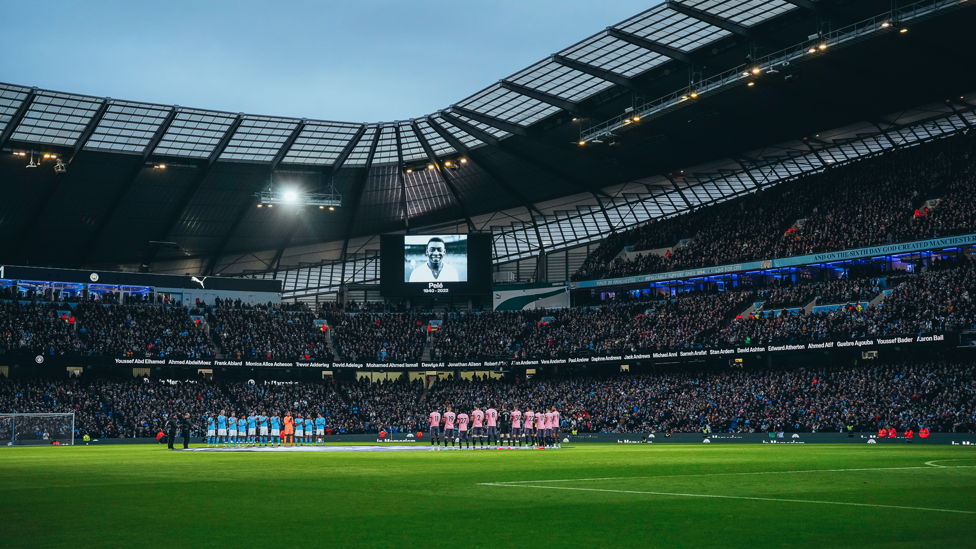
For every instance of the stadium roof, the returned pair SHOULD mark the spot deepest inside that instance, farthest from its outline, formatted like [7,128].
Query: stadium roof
[686,68]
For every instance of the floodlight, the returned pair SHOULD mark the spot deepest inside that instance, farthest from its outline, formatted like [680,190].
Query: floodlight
[290,196]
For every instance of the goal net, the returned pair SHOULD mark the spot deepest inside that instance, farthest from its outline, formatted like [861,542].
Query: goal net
[36,429]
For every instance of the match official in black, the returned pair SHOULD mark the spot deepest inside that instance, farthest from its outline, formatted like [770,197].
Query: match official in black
[171,425]
[185,427]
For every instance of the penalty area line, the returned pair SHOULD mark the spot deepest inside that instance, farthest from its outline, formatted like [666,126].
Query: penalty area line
[747,498]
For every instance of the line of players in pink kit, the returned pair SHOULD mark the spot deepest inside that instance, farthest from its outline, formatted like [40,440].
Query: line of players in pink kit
[503,431]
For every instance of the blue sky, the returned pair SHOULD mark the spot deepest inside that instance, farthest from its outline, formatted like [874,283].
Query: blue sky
[359,61]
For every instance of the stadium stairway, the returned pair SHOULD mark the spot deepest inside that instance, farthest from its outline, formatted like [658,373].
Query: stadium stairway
[430,340]
[328,340]
[878,299]
[753,308]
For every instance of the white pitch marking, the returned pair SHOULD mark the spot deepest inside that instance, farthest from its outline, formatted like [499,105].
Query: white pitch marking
[736,474]
[732,497]
[933,464]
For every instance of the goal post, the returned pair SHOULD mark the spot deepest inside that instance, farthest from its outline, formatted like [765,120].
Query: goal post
[36,429]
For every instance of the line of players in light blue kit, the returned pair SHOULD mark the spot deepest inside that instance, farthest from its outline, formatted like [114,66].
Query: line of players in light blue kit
[260,429]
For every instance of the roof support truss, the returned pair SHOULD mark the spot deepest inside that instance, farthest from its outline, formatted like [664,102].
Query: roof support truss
[567,179]
[52,189]
[17,117]
[129,181]
[712,20]
[649,45]
[553,100]
[195,185]
[495,176]
[251,202]
[597,72]
[359,185]
[513,129]
[443,174]
[400,178]
[805,4]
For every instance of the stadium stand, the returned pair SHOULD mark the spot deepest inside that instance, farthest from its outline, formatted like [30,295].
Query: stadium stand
[381,337]
[935,392]
[263,332]
[874,201]
[935,298]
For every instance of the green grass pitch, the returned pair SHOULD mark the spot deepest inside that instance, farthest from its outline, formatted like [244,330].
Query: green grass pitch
[634,496]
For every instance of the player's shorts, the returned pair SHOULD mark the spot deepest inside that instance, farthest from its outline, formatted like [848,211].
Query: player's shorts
[211,432]
[276,432]
[264,431]
[299,433]
[251,432]
[232,433]
[493,431]
[320,432]
[516,431]
[463,435]
[548,433]
[555,431]
[477,431]
[505,429]
[448,433]
[221,432]
[435,431]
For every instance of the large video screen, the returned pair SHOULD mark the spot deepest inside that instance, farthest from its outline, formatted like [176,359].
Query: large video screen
[435,264]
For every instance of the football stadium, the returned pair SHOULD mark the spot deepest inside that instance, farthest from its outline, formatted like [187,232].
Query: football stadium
[704,277]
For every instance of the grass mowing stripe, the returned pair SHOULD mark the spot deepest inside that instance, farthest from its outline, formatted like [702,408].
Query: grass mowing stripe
[776,500]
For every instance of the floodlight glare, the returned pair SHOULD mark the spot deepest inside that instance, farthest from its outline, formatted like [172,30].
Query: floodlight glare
[465,160]
[823,46]
[430,166]
[755,70]
[290,196]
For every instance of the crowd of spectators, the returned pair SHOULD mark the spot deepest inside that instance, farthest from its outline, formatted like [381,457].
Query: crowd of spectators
[380,337]
[37,328]
[936,301]
[138,407]
[268,332]
[933,392]
[842,290]
[874,201]
[935,296]
[142,330]
[383,405]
